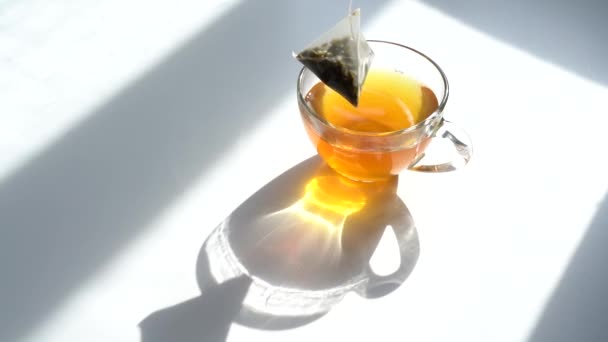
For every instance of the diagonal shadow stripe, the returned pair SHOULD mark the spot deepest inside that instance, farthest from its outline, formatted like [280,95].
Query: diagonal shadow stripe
[578,308]
[572,34]
[88,194]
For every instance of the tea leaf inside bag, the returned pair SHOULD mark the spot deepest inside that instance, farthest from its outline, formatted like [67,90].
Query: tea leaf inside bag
[340,58]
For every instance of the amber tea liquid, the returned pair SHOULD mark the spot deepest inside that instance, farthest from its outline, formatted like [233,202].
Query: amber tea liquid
[389,101]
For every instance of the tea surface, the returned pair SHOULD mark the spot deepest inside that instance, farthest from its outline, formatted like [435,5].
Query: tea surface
[390,101]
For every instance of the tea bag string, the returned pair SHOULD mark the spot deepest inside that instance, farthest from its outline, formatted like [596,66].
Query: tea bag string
[350,15]
[353,33]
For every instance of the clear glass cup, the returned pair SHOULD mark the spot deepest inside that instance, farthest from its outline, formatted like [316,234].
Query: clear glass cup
[367,156]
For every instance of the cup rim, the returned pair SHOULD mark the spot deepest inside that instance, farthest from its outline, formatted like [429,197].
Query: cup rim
[431,118]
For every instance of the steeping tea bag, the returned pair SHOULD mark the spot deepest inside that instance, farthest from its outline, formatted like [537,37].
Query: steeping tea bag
[340,57]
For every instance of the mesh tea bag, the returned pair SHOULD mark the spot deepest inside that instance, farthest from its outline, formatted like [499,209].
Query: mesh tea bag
[340,57]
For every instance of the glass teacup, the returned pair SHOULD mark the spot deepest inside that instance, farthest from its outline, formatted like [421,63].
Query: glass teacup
[376,155]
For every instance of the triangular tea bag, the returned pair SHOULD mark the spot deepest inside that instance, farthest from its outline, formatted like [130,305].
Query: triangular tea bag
[340,57]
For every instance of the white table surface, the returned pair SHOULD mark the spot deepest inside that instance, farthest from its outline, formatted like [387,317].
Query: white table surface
[130,129]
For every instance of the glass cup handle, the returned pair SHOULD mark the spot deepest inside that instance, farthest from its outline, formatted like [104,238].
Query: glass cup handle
[409,250]
[459,139]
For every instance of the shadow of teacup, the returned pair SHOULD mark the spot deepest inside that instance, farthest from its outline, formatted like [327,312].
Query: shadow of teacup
[305,240]
[289,253]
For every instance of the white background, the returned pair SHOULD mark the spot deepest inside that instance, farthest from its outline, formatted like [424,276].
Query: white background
[130,129]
